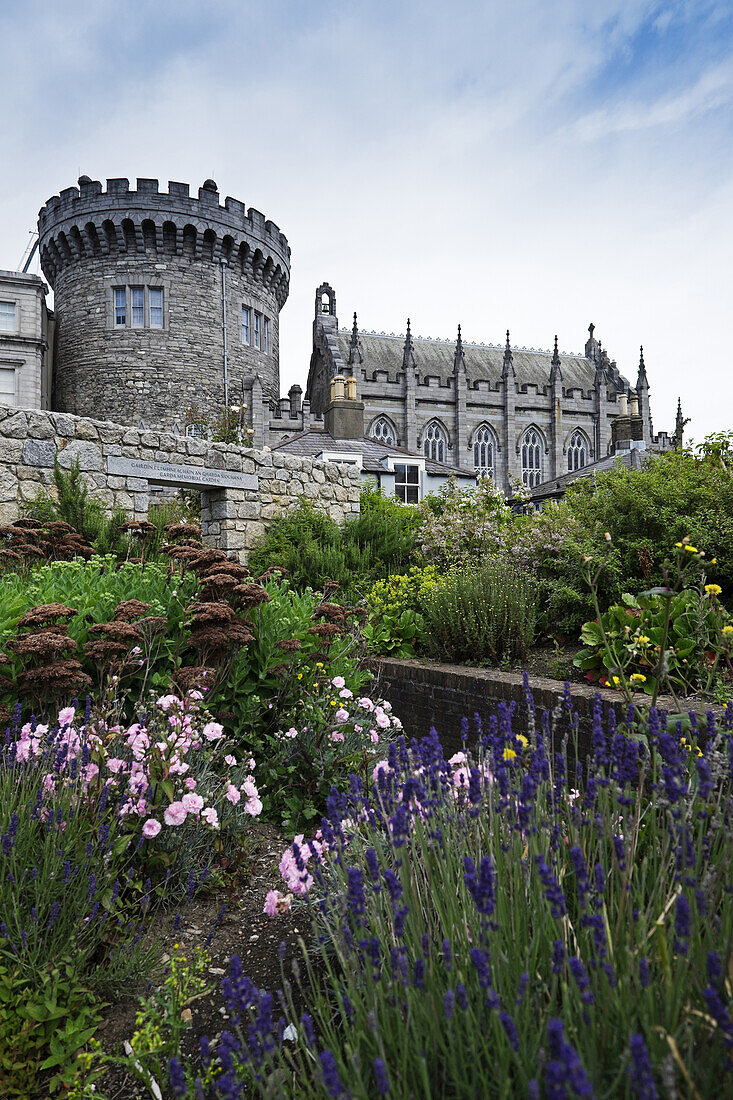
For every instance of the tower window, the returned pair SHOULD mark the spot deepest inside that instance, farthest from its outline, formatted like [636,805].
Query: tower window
[256,330]
[245,324]
[266,335]
[120,307]
[577,450]
[7,316]
[137,293]
[435,442]
[383,431]
[156,307]
[483,452]
[531,458]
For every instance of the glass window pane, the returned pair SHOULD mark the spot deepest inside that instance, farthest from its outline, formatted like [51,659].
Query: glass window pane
[399,472]
[412,494]
[120,307]
[245,325]
[138,305]
[7,316]
[156,308]
[256,340]
[266,336]
[412,475]
[7,386]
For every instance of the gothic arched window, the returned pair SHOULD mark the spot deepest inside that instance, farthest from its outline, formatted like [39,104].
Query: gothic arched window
[435,442]
[383,431]
[577,450]
[484,445]
[531,458]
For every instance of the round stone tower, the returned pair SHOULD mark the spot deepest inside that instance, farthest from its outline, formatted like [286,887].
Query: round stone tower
[163,302]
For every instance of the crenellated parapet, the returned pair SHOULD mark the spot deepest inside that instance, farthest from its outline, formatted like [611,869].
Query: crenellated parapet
[87,221]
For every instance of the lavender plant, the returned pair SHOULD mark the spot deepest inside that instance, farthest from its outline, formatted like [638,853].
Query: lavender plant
[494,925]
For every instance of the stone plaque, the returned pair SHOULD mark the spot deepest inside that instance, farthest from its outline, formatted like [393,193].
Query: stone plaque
[188,477]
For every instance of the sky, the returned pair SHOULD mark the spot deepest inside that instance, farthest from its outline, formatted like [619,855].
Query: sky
[534,166]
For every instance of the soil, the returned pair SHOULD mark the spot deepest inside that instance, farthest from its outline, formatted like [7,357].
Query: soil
[244,931]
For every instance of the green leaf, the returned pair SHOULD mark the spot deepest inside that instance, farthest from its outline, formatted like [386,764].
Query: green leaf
[592,634]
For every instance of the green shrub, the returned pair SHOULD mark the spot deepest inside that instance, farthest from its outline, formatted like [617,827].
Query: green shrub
[396,624]
[486,614]
[673,495]
[75,505]
[314,549]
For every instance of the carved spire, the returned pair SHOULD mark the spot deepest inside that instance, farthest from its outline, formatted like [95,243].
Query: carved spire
[408,356]
[680,424]
[459,358]
[355,356]
[508,358]
[592,346]
[642,379]
[555,372]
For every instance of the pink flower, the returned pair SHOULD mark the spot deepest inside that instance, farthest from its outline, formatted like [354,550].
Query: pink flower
[374,736]
[49,783]
[345,693]
[338,681]
[381,766]
[336,736]
[230,760]
[382,720]
[251,763]
[249,787]
[275,903]
[232,794]
[22,751]
[115,765]
[291,733]
[190,783]
[175,814]
[366,703]
[253,806]
[66,716]
[151,828]
[458,758]
[167,701]
[211,817]
[212,731]
[341,715]
[192,803]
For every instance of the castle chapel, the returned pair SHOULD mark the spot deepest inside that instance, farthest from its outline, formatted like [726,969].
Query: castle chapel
[516,415]
[167,300]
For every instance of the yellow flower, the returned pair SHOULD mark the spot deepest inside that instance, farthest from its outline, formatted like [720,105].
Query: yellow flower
[728,629]
[713,589]
[678,545]
[638,678]
[319,664]
[713,561]
[643,639]
[509,754]
[692,549]
[522,740]
[615,681]
[300,675]
[333,702]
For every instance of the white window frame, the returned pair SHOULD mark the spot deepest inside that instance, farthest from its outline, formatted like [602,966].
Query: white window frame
[351,457]
[266,335]
[391,461]
[6,368]
[256,330]
[578,445]
[484,444]
[435,445]
[14,315]
[119,302]
[151,308]
[246,328]
[531,448]
[379,425]
[137,293]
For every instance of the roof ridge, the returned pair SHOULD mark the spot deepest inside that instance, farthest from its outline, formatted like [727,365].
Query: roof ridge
[466,343]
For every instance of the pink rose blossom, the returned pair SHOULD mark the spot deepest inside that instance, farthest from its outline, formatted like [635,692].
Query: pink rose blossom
[230,760]
[338,681]
[253,806]
[458,758]
[167,701]
[212,731]
[291,733]
[190,783]
[249,787]
[66,716]
[151,828]
[341,715]
[232,794]
[251,763]
[366,703]
[381,766]
[175,814]
[211,817]
[345,693]
[382,720]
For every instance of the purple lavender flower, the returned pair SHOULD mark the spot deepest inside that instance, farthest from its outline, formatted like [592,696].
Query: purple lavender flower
[331,1078]
[461,996]
[640,1070]
[447,955]
[553,889]
[581,875]
[481,963]
[448,1004]
[482,887]
[381,1080]
[558,957]
[510,1028]
[720,1013]
[644,975]
[177,1077]
[521,988]
[355,894]
[581,979]
[682,924]
[372,863]
[564,1067]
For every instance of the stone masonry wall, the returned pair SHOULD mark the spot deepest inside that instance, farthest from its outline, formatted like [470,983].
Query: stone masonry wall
[242,490]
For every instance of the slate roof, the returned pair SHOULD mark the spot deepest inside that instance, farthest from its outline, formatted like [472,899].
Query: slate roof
[483,361]
[312,442]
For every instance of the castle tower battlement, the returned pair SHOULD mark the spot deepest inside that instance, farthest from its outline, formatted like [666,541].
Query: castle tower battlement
[163,300]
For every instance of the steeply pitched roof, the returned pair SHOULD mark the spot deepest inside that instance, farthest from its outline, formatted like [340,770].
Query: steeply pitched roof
[556,486]
[483,361]
[312,442]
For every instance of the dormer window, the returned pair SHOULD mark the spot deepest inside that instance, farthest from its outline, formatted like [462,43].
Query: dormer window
[407,482]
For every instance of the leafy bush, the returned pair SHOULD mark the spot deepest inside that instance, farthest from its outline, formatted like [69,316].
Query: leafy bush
[76,505]
[484,929]
[485,614]
[396,624]
[672,496]
[314,549]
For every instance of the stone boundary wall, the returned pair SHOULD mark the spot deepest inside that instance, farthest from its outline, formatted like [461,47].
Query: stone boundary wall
[426,693]
[242,490]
